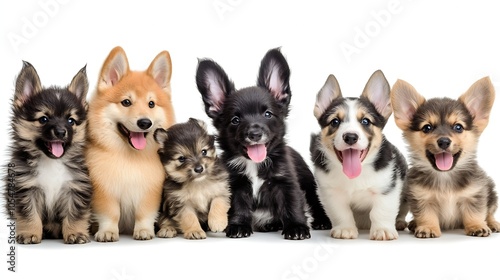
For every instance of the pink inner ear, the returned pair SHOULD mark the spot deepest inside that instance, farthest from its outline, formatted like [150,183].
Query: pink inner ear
[27,90]
[216,92]
[113,76]
[275,83]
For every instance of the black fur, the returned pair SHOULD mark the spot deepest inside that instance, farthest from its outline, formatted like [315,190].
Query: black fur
[288,184]
[39,116]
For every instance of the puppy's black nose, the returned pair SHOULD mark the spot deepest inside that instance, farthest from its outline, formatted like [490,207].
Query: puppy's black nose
[444,143]
[144,123]
[59,132]
[198,169]
[350,138]
[254,134]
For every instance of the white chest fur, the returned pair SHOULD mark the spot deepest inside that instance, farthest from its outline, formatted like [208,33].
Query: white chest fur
[52,175]
[251,170]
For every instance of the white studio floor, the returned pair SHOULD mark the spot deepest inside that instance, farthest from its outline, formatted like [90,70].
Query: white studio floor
[454,256]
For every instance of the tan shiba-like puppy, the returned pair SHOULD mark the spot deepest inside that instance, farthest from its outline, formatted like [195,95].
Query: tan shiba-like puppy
[196,189]
[446,188]
[124,165]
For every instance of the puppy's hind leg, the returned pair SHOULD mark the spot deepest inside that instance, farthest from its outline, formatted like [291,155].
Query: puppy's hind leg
[167,227]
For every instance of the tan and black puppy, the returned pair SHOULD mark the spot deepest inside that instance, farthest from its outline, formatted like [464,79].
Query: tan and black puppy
[196,189]
[446,188]
[48,189]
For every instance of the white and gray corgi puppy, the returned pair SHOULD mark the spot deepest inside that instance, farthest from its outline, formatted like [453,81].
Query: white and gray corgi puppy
[360,174]
[196,194]
[446,188]
[48,189]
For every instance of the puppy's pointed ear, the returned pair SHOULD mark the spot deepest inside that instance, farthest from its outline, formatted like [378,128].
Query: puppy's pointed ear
[405,101]
[114,68]
[201,123]
[377,90]
[479,100]
[214,86]
[80,85]
[161,70]
[160,136]
[27,84]
[329,92]
[274,74]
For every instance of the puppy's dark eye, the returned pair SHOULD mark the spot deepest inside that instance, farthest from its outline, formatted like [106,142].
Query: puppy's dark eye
[427,128]
[235,120]
[365,122]
[151,104]
[204,152]
[458,128]
[43,120]
[335,122]
[126,103]
[71,121]
[181,159]
[268,115]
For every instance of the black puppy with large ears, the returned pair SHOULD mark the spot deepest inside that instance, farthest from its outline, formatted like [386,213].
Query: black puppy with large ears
[272,186]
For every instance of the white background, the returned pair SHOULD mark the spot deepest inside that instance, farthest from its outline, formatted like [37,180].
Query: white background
[441,48]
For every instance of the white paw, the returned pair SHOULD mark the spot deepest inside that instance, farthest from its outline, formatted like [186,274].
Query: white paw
[106,236]
[383,234]
[167,232]
[344,233]
[143,234]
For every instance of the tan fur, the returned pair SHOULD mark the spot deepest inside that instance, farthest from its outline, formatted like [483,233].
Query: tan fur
[76,231]
[30,229]
[217,216]
[127,182]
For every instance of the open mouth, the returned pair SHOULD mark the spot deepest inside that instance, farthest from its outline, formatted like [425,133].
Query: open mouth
[136,139]
[257,152]
[443,161]
[56,148]
[351,160]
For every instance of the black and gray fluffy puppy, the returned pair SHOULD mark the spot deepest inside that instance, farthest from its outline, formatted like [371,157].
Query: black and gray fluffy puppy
[48,190]
[196,189]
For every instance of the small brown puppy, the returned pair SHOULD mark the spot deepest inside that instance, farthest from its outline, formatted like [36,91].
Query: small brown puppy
[196,189]
[446,188]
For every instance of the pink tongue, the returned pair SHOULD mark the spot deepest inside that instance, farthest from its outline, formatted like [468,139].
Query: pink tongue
[56,148]
[351,163]
[138,140]
[444,161]
[257,153]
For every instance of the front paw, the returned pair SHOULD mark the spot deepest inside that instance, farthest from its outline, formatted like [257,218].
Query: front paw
[143,234]
[401,225]
[344,233]
[217,224]
[296,232]
[383,234]
[106,236]
[196,234]
[167,232]
[494,226]
[321,223]
[427,232]
[478,230]
[238,231]
[28,238]
[77,238]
